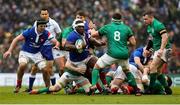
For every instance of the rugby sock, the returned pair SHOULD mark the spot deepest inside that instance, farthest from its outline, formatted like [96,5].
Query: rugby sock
[108,80]
[19,83]
[31,81]
[53,80]
[98,87]
[103,77]
[95,76]
[43,90]
[162,80]
[131,79]
[153,77]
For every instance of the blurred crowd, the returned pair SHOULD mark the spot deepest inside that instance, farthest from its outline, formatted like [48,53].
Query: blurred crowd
[16,15]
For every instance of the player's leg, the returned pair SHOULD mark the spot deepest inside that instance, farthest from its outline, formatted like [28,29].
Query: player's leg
[119,77]
[49,68]
[109,77]
[84,83]
[100,64]
[155,67]
[32,77]
[62,81]
[60,59]
[61,64]
[138,76]
[130,78]
[47,53]
[162,79]
[91,61]
[42,65]
[23,60]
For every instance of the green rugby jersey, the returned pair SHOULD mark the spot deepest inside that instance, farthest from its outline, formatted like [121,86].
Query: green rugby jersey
[154,30]
[117,34]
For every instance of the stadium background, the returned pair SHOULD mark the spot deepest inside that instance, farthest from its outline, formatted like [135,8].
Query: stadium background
[16,15]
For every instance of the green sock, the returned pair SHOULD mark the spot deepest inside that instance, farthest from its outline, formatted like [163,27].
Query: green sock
[108,80]
[131,79]
[95,76]
[153,77]
[43,90]
[162,80]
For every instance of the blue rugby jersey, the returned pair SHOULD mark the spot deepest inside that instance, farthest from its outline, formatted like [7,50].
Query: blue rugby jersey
[75,56]
[34,41]
[138,53]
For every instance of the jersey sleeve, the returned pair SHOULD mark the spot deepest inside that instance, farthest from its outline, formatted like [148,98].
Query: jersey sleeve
[160,27]
[26,33]
[137,54]
[130,33]
[57,28]
[71,38]
[103,31]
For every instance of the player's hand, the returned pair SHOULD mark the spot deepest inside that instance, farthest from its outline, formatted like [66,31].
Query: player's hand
[103,43]
[160,52]
[6,54]
[81,70]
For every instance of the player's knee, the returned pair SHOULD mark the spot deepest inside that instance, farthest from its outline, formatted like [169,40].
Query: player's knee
[22,65]
[41,65]
[97,66]
[22,60]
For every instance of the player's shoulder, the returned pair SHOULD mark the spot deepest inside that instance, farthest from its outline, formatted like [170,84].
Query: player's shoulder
[72,34]
[139,50]
[157,23]
[31,29]
[52,21]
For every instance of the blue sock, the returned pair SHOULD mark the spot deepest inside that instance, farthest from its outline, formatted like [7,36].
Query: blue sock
[53,80]
[31,81]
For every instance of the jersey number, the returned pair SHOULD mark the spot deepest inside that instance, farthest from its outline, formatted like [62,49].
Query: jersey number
[117,36]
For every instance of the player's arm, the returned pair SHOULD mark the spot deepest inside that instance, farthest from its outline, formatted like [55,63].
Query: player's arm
[56,43]
[69,46]
[13,45]
[138,62]
[72,67]
[94,33]
[132,42]
[164,39]
[97,43]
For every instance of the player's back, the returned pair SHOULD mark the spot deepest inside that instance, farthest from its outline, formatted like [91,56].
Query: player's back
[117,34]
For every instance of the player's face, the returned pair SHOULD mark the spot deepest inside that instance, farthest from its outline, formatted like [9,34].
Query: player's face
[147,19]
[44,14]
[80,17]
[147,53]
[41,27]
[80,29]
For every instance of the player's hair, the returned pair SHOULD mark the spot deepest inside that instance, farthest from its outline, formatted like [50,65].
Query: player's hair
[149,13]
[81,13]
[149,45]
[117,16]
[41,21]
[44,9]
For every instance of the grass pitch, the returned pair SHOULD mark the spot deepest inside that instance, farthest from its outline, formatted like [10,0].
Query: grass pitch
[8,97]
